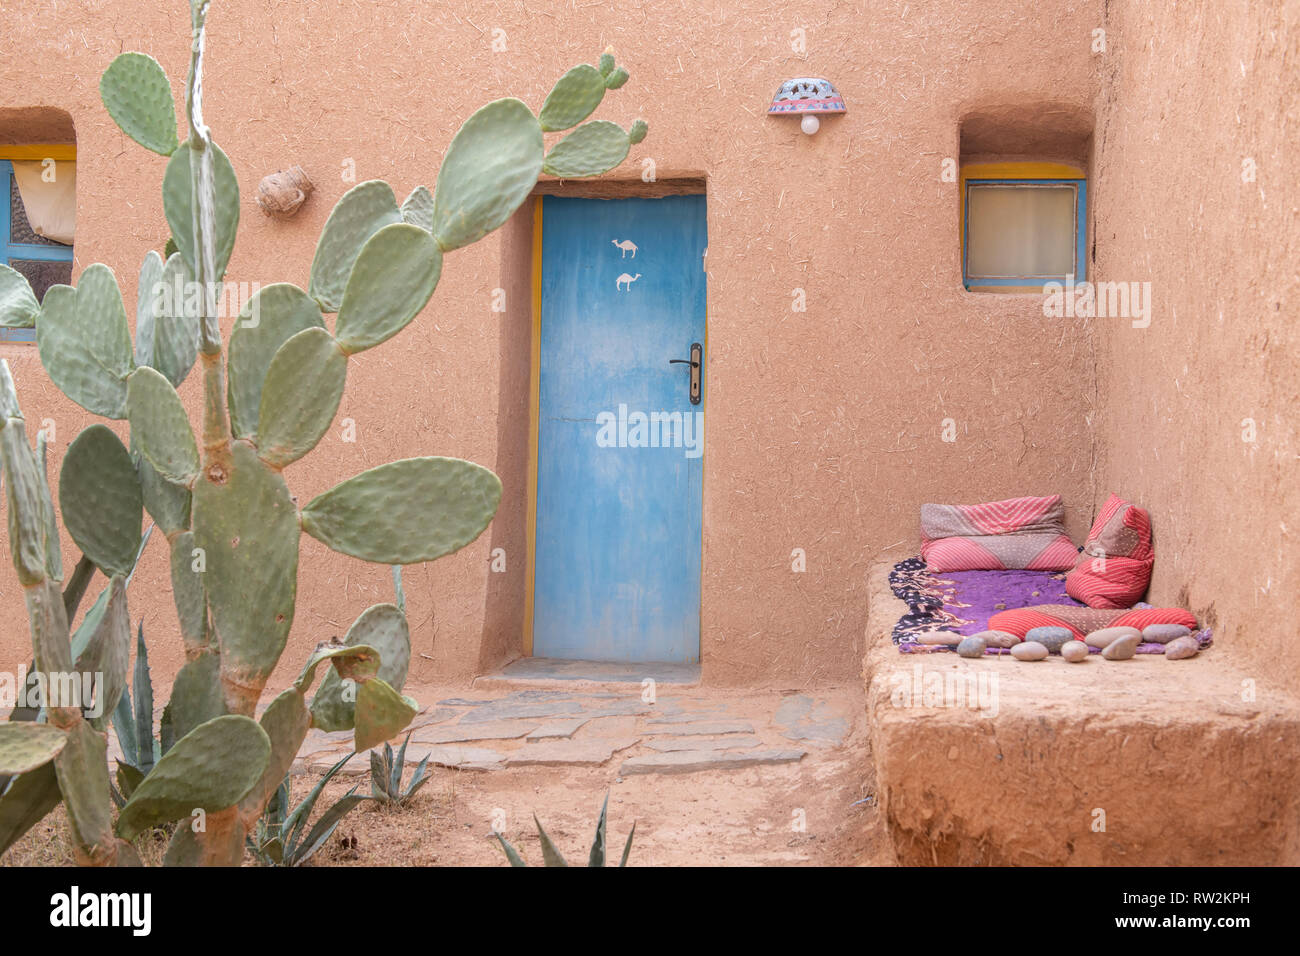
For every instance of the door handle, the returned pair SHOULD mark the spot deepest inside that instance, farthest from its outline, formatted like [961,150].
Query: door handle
[696,361]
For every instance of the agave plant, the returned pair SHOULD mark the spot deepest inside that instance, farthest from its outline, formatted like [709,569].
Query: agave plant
[220,497]
[551,855]
[386,772]
[133,724]
[281,836]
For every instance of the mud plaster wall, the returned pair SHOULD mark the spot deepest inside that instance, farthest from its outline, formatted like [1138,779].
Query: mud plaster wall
[823,426]
[1192,90]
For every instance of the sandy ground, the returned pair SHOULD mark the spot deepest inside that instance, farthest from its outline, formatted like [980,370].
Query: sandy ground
[819,811]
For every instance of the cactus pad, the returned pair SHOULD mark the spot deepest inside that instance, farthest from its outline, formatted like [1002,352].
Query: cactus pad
[25,745]
[176,310]
[286,723]
[160,426]
[573,99]
[102,646]
[383,627]
[210,768]
[418,208]
[490,168]
[101,501]
[84,342]
[363,211]
[361,660]
[178,207]
[151,271]
[137,95]
[270,318]
[302,392]
[382,713]
[187,593]
[196,698]
[167,503]
[18,305]
[24,491]
[394,276]
[416,509]
[246,524]
[591,149]
[82,769]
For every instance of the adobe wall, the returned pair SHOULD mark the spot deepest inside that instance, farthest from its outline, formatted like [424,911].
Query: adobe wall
[1191,92]
[824,426]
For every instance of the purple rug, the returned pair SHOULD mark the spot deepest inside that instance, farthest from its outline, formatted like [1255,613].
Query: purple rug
[961,603]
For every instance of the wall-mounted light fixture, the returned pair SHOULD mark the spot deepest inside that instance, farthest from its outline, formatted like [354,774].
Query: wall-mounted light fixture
[805,97]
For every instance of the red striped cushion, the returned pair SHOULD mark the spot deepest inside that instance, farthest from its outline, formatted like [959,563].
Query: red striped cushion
[1114,569]
[997,535]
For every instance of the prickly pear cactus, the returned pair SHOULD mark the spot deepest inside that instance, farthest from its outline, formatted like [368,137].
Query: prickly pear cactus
[219,497]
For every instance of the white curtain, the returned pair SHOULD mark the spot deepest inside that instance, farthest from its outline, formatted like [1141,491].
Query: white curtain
[49,194]
[1020,231]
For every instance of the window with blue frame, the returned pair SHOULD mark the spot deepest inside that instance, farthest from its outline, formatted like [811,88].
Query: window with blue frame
[1021,230]
[42,261]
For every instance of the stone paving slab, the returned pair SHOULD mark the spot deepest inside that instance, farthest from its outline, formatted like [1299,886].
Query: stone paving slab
[542,668]
[560,727]
[568,753]
[437,716]
[732,742]
[457,757]
[510,710]
[689,761]
[321,763]
[484,730]
[689,717]
[703,727]
[816,722]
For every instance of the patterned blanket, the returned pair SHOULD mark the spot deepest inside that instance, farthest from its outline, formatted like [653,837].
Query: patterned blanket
[962,603]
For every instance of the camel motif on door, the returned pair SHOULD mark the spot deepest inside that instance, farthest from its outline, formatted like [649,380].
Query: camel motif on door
[627,245]
[625,280]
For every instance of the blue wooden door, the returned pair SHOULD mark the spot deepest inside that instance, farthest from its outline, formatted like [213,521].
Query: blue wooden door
[620,445]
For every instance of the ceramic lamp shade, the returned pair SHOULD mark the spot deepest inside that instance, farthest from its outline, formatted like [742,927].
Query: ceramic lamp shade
[805,95]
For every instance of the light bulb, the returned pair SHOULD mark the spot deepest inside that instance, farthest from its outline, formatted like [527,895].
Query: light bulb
[810,124]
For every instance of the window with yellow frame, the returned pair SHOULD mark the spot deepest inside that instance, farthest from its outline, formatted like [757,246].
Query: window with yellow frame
[1022,225]
[25,245]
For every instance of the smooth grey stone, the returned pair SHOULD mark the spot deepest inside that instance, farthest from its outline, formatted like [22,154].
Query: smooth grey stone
[1029,651]
[971,647]
[1051,637]
[1164,633]
[996,638]
[1103,636]
[1122,648]
[1181,648]
[1074,651]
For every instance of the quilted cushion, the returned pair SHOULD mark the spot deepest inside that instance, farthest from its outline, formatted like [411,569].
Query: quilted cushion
[1019,533]
[1114,569]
